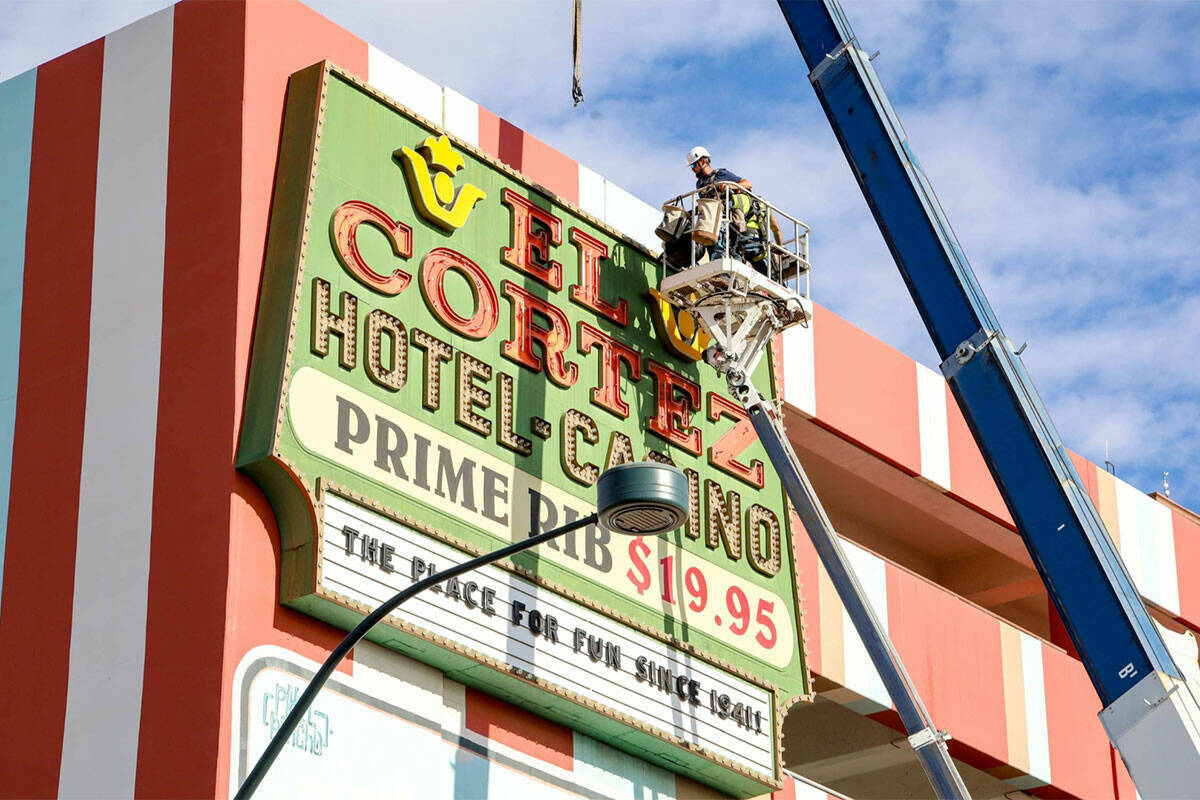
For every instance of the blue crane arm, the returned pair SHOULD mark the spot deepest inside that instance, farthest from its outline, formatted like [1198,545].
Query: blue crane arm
[1085,578]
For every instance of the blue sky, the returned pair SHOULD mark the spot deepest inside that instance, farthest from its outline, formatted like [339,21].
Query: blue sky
[1063,139]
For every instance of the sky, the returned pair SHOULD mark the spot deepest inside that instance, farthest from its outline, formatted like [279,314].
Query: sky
[1062,139]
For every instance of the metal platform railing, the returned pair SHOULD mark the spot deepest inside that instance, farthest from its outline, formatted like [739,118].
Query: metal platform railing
[748,228]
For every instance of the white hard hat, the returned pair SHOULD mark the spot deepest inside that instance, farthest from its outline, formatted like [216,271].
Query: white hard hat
[697,153]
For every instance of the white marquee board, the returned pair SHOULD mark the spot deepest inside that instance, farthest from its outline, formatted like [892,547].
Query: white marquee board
[367,557]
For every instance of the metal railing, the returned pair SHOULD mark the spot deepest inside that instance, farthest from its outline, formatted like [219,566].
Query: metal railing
[765,246]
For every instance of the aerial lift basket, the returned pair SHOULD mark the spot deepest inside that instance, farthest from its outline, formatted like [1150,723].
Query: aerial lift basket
[742,301]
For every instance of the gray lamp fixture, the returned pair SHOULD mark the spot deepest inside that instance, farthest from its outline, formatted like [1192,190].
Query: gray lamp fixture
[642,499]
[639,499]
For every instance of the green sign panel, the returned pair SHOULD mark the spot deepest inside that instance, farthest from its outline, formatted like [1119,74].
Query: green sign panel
[446,357]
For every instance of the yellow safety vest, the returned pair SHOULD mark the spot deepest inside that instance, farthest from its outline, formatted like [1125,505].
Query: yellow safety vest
[744,203]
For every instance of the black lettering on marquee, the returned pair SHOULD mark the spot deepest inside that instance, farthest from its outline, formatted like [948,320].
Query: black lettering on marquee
[612,656]
[654,678]
[350,535]
[489,602]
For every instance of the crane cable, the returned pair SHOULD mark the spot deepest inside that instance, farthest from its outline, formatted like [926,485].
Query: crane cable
[577,82]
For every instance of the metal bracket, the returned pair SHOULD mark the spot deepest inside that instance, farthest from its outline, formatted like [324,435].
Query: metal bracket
[928,736]
[1158,701]
[829,60]
[966,351]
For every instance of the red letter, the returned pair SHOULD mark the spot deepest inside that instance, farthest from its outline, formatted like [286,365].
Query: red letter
[555,340]
[724,453]
[530,251]
[607,393]
[433,286]
[343,230]
[587,292]
[675,398]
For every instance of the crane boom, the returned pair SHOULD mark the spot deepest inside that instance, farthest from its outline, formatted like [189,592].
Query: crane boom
[1149,711]
[927,741]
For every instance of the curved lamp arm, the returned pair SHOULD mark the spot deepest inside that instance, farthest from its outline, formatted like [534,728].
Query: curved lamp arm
[256,775]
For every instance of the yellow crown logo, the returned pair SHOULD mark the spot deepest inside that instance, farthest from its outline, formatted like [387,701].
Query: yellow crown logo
[430,172]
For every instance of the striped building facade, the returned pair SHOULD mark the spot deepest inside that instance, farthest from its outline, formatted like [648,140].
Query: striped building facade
[140,569]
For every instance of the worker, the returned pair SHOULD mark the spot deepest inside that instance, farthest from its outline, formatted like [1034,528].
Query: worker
[706,176]
[751,243]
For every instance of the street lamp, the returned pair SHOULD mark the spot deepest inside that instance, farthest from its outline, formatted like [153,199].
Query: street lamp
[640,499]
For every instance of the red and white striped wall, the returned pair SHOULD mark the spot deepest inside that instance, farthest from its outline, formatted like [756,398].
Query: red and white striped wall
[139,568]
[1017,706]
[112,415]
[902,412]
[137,565]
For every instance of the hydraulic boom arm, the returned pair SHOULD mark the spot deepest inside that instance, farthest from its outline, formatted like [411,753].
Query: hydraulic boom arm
[1150,713]
[927,741]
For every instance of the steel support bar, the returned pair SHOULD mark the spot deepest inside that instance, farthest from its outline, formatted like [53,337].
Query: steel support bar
[928,743]
[1086,580]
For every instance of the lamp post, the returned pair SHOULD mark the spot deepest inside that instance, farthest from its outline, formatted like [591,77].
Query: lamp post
[641,499]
